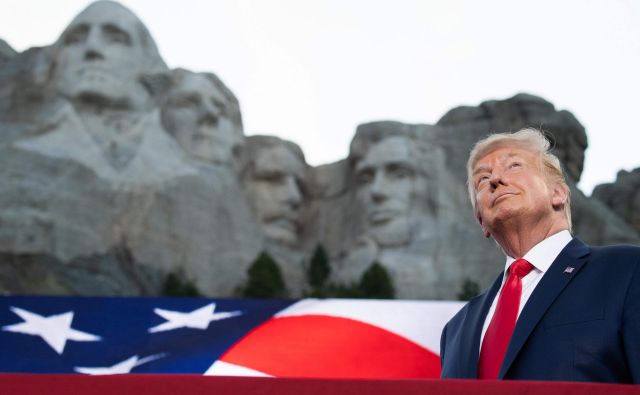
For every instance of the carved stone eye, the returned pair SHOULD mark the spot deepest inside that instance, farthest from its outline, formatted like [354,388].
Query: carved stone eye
[116,35]
[399,170]
[275,177]
[365,176]
[77,35]
[186,101]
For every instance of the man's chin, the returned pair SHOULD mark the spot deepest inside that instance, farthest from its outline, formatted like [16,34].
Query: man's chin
[393,233]
[503,215]
[281,235]
[104,91]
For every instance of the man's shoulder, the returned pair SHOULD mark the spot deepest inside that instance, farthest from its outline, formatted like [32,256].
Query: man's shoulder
[621,252]
[620,261]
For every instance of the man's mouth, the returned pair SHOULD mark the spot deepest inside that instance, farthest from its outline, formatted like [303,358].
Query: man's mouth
[93,69]
[284,223]
[501,197]
[382,216]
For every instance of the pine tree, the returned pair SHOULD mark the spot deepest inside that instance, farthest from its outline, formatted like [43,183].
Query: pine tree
[265,279]
[319,268]
[376,283]
[469,290]
[176,287]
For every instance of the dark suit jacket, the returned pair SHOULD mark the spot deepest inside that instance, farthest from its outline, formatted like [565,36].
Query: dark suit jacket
[578,326]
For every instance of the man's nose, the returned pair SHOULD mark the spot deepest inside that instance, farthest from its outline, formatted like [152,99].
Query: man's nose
[379,188]
[292,192]
[93,46]
[496,179]
[208,113]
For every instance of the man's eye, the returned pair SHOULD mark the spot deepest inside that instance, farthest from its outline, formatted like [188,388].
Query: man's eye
[186,101]
[399,171]
[481,180]
[364,177]
[116,35]
[220,107]
[77,35]
[515,165]
[274,177]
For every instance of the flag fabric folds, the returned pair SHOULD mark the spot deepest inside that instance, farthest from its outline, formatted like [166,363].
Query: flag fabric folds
[326,338]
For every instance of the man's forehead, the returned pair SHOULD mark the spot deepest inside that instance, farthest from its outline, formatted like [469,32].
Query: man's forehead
[278,159]
[102,13]
[391,150]
[196,83]
[501,154]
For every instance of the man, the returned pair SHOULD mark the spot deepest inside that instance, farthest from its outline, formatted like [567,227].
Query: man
[204,117]
[274,179]
[393,212]
[562,310]
[385,189]
[103,67]
[388,164]
[103,57]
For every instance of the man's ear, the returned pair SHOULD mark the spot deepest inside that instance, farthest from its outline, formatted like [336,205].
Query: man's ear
[560,195]
[485,231]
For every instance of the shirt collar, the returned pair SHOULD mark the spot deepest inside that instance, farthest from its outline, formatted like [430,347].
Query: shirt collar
[542,255]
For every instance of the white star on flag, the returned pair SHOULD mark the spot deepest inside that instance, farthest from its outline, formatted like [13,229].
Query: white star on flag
[55,329]
[120,367]
[197,319]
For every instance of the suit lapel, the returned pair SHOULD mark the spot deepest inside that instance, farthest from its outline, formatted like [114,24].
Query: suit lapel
[547,290]
[478,309]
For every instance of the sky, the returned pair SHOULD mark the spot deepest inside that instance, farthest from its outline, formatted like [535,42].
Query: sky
[311,71]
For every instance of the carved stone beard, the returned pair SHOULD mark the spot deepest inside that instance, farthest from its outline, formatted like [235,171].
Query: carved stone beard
[393,234]
[118,134]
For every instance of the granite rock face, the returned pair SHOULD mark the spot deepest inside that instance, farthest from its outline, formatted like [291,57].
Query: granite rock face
[89,169]
[117,173]
[6,52]
[623,196]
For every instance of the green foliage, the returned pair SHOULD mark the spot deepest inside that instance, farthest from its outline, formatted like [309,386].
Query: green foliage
[175,286]
[376,283]
[319,269]
[265,279]
[469,290]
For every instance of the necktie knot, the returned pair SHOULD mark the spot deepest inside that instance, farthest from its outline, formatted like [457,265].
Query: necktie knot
[520,268]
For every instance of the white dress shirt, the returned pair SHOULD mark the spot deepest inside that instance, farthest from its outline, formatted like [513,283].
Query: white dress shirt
[541,256]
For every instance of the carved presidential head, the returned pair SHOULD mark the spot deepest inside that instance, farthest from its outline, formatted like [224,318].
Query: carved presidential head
[389,173]
[274,177]
[203,115]
[103,56]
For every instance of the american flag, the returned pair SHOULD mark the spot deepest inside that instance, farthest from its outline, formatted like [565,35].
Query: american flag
[326,338]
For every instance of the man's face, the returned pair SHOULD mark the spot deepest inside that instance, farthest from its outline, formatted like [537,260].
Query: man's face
[386,185]
[100,57]
[276,189]
[510,186]
[196,114]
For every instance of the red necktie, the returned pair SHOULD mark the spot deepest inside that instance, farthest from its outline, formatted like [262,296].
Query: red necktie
[498,335]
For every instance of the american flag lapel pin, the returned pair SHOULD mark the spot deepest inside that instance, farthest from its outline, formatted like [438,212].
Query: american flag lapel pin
[568,270]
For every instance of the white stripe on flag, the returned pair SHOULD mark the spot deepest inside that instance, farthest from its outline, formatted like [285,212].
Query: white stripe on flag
[418,321]
[220,368]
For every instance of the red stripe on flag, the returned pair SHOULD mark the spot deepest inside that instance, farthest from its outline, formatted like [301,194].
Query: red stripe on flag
[324,346]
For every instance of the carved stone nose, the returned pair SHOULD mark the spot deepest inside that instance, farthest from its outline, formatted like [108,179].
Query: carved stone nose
[92,54]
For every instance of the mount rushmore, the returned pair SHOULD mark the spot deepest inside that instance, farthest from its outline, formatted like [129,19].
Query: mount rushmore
[116,172]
